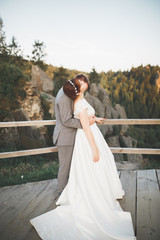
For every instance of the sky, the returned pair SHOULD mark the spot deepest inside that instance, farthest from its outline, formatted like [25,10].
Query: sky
[82,34]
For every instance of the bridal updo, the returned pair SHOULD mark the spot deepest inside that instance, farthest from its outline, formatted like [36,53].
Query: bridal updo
[72,87]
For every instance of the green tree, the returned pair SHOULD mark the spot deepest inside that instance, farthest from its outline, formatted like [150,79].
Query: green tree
[94,76]
[15,55]
[14,48]
[38,54]
[3,44]
[60,77]
[12,53]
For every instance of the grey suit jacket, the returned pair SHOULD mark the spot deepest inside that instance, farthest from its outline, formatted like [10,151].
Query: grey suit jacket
[66,125]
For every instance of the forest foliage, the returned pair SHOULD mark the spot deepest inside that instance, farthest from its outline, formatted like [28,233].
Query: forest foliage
[136,90]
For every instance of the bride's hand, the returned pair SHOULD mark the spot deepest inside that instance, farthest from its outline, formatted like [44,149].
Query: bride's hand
[95,155]
[99,120]
[91,120]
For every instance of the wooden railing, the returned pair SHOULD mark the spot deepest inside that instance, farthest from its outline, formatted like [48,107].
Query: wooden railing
[54,149]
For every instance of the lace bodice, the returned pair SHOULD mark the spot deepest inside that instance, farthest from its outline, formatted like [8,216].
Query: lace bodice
[83,104]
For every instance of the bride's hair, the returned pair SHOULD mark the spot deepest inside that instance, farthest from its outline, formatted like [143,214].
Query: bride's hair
[72,88]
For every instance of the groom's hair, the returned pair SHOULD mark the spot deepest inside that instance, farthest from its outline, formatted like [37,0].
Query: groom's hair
[83,77]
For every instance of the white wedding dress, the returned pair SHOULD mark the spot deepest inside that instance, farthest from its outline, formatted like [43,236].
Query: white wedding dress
[88,209]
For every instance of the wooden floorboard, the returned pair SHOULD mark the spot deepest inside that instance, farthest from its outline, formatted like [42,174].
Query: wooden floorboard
[41,197]
[148,203]
[20,203]
[128,203]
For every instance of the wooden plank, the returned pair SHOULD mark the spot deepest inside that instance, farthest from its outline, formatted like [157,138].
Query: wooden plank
[32,235]
[128,203]
[28,152]
[19,200]
[20,227]
[55,149]
[27,123]
[9,193]
[5,191]
[135,150]
[12,193]
[148,203]
[44,200]
[131,122]
[106,122]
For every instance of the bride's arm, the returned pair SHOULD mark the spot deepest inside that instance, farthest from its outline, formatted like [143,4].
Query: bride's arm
[86,127]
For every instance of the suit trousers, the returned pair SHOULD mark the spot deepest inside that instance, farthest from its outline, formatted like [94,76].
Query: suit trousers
[65,157]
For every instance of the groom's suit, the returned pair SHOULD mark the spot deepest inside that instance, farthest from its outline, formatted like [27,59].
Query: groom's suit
[64,135]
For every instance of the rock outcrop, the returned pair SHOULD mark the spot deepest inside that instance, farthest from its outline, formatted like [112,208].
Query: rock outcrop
[113,141]
[41,80]
[39,88]
[157,81]
[100,101]
[121,114]
[32,103]
[97,104]
[38,91]
[30,136]
[49,101]
[127,141]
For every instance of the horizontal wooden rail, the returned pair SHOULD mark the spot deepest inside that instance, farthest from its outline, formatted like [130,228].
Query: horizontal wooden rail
[28,152]
[106,122]
[135,150]
[55,149]
[27,123]
[132,122]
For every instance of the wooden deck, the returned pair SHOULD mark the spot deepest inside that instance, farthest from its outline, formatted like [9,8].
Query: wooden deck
[20,203]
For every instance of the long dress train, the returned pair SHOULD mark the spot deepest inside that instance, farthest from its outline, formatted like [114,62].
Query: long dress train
[88,208]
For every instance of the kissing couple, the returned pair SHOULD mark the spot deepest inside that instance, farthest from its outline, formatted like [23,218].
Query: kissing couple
[88,181]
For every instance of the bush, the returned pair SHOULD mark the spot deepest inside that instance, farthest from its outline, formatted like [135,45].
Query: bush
[12,82]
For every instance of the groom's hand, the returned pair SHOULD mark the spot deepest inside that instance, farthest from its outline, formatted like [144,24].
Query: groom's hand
[92,120]
[99,120]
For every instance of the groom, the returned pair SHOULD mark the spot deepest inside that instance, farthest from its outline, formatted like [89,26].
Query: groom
[65,131]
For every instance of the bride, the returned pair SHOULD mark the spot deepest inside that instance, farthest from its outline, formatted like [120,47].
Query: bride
[87,208]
